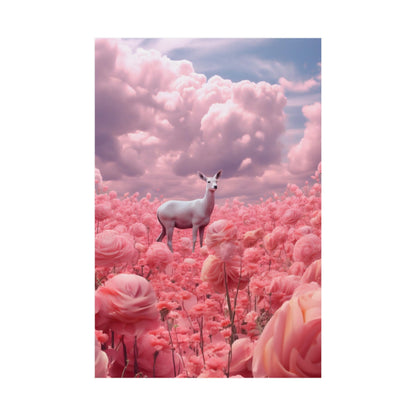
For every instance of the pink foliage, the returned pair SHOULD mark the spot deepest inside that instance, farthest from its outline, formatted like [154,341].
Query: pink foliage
[222,310]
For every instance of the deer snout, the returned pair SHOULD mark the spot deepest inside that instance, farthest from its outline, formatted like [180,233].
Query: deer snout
[215,186]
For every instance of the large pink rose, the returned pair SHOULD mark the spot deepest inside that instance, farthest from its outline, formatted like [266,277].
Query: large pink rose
[112,248]
[213,273]
[126,304]
[290,344]
[307,249]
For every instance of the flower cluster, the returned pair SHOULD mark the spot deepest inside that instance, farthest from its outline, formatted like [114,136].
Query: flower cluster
[245,304]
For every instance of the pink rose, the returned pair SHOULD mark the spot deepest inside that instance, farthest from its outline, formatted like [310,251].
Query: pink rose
[297,268]
[112,248]
[138,230]
[185,246]
[250,238]
[313,273]
[158,255]
[242,356]
[102,211]
[275,238]
[221,239]
[307,249]
[291,216]
[290,344]
[281,289]
[126,303]
[213,273]
[101,360]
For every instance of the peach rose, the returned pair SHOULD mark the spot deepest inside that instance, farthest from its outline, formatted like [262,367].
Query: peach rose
[112,248]
[126,303]
[290,344]
[250,238]
[307,249]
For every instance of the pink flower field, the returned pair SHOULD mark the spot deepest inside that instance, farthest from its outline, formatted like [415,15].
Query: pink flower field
[245,304]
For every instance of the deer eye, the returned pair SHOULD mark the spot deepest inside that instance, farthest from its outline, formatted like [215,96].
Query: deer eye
[209,181]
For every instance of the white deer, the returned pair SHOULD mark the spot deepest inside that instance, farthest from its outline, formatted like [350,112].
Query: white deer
[188,214]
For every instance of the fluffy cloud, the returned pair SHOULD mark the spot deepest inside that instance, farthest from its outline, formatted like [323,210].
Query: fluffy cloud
[158,122]
[305,156]
[302,86]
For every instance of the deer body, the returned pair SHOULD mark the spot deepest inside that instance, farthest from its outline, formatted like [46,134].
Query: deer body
[194,214]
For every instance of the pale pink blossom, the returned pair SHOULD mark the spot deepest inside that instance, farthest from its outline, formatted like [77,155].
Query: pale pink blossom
[307,249]
[290,344]
[112,248]
[126,304]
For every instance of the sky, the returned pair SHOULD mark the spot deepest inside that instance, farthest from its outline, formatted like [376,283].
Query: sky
[168,108]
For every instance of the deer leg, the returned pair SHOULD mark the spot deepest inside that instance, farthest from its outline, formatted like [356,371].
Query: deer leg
[169,231]
[162,234]
[194,234]
[201,235]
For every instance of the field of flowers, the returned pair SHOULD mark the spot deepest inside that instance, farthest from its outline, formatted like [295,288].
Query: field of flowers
[245,304]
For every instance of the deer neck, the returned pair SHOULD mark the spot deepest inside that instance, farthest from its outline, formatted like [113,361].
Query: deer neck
[208,202]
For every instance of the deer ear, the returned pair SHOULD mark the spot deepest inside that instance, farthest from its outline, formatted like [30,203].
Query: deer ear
[218,174]
[202,176]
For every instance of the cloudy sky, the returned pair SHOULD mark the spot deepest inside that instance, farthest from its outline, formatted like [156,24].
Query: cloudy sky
[166,108]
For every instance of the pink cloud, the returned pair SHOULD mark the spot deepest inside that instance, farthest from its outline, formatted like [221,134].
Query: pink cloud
[158,123]
[305,156]
[304,86]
